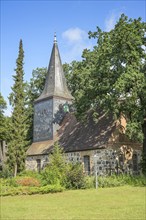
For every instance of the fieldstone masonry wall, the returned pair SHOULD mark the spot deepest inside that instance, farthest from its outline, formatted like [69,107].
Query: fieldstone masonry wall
[106,161]
[32,162]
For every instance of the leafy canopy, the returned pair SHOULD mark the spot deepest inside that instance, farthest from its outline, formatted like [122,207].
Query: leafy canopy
[113,75]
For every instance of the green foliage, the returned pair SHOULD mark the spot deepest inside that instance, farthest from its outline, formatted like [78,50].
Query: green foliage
[4,121]
[89,182]
[51,175]
[121,180]
[75,177]
[110,181]
[29,173]
[114,181]
[3,105]
[55,172]
[112,76]
[18,126]
[6,173]
[60,172]
[12,191]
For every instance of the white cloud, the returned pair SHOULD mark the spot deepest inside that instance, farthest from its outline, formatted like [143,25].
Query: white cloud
[76,40]
[73,35]
[111,20]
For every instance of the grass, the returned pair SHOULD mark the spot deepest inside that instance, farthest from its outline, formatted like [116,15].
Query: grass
[120,203]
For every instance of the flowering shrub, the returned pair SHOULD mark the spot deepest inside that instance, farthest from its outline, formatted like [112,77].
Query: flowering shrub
[28,181]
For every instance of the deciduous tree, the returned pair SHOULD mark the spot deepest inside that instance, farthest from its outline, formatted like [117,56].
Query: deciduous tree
[113,75]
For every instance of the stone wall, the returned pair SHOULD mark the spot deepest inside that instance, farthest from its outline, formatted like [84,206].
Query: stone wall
[104,161]
[35,163]
[107,161]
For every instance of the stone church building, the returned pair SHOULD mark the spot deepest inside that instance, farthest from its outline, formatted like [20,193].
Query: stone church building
[98,145]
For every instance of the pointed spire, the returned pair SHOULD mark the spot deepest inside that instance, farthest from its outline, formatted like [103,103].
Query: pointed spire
[55,85]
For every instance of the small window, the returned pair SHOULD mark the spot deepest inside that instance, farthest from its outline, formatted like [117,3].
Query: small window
[121,159]
[87,164]
[135,162]
[38,165]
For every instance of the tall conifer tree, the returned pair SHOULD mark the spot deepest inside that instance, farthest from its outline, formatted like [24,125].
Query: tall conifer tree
[3,106]
[18,142]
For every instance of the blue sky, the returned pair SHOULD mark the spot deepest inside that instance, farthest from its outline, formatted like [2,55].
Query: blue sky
[36,21]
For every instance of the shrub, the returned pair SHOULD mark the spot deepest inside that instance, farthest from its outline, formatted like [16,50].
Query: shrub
[55,172]
[5,173]
[110,181]
[74,176]
[51,175]
[133,180]
[89,182]
[12,191]
[29,173]
[28,181]
[11,182]
[121,180]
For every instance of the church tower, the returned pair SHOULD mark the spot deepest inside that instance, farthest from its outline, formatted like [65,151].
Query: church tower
[51,105]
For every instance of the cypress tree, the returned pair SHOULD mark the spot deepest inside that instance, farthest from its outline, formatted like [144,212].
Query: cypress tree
[18,141]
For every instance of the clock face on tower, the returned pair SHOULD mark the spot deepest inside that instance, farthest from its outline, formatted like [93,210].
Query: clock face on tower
[43,116]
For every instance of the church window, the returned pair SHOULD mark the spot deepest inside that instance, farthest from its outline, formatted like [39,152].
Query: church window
[135,162]
[121,159]
[38,165]
[87,164]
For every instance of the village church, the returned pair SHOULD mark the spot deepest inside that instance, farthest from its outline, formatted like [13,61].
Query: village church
[101,145]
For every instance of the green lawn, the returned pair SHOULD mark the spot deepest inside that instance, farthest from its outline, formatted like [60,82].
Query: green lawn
[126,203]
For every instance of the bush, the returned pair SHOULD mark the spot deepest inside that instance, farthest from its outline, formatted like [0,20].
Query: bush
[10,182]
[55,172]
[29,173]
[28,181]
[89,182]
[121,180]
[111,181]
[133,180]
[5,173]
[75,178]
[12,191]
[51,175]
